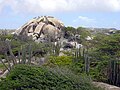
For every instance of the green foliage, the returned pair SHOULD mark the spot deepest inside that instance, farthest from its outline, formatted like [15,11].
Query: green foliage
[69,31]
[66,61]
[106,48]
[3,48]
[67,53]
[2,67]
[97,72]
[60,61]
[83,32]
[114,72]
[77,67]
[110,45]
[4,37]
[26,77]
[16,45]
[2,56]
[98,38]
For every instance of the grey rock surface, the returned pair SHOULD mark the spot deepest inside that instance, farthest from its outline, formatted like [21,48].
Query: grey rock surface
[106,86]
[41,28]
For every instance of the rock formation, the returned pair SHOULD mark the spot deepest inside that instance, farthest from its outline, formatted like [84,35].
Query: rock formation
[41,28]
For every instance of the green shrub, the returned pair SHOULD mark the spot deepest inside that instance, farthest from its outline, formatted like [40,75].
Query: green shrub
[26,77]
[2,56]
[67,53]
[2,67]
[4,37]
[77,67]
[60,61]
[66,61]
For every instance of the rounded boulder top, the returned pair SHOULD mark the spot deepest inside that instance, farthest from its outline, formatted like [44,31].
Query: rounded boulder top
[41,27]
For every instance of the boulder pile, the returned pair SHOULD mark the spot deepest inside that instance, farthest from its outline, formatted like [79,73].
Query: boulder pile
[41,28]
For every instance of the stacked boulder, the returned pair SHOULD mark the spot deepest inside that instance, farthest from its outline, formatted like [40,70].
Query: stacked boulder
[41,28]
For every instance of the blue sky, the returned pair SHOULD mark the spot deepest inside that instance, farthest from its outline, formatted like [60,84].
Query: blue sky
[86,13]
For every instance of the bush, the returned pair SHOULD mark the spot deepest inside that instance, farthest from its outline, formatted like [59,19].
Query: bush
[2,67]
[60,61]
[66,61]
[4,37]
[27,77]
[106,49]
[77,67]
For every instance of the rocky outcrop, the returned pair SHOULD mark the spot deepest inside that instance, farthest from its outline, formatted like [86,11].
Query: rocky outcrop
[106,86]
[41,28]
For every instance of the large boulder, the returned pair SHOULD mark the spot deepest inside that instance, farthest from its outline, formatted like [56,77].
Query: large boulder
[44,27]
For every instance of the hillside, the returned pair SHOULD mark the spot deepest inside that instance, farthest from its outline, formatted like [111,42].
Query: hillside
[43,54]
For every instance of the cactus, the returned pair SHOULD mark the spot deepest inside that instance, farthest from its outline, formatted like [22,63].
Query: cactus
[9,65]
[87,64]
[11,53]
[118,73]
[30,53]
[23,55]
[83,52]
[19,57]
[79,52]
[84,56]
[5,65]
[114,73]
[112,63]
[75,57]
[57,49]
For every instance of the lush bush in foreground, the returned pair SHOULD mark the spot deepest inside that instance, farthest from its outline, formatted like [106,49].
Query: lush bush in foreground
[27,77]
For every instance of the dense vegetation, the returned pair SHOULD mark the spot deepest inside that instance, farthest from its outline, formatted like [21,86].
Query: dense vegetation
[27,77]
[99,59]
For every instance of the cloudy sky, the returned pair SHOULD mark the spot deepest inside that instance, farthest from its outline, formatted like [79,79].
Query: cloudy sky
[87,13]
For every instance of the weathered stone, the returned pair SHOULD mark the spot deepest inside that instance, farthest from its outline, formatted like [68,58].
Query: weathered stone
[106,86]
[51,31]
[56,22]
[32,27]
[30,34]
[42,28]
[39,28]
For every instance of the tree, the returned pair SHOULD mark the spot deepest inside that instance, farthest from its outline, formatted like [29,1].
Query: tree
[110,46]
[69,31]
[83,32]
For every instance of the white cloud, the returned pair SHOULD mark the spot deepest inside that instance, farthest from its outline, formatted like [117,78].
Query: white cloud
[39,6]
[84,19]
